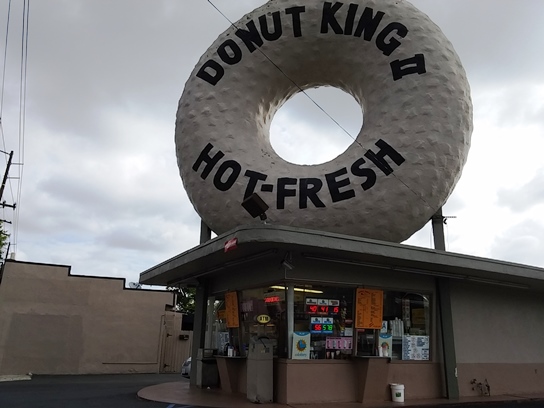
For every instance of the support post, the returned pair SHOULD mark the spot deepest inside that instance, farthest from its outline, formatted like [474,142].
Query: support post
[205,232]
[290,318]
[445,311]
[201,312]
[438,231]
[199,328]
[448,343]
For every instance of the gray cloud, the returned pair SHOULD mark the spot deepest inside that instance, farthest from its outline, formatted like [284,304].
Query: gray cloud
[101,187]
[521,244]
[523,197]
[497,40]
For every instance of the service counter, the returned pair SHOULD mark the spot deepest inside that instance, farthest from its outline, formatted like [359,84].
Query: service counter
[362,379]
[372,378]
[232,373]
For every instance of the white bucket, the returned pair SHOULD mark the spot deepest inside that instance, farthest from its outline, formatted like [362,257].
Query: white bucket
[397,392]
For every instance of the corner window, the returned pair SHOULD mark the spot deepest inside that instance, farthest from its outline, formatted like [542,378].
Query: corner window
[263,314]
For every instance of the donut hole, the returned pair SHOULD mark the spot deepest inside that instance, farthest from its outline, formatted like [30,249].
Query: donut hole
[302,132]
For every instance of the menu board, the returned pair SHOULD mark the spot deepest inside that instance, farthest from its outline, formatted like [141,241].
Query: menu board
[369,309]
[415,347]
[231,304]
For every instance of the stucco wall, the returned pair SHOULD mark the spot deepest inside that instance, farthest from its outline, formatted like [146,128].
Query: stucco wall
[55,323]
[499,334]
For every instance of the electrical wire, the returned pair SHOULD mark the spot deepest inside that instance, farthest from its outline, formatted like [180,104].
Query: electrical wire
[21,124]
[2,88]
[321,108]
[22,117]
[4,65]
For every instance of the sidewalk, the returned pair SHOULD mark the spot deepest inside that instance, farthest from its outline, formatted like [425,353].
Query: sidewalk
[180,392]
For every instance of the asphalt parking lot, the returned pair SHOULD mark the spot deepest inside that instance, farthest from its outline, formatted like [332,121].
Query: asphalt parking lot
[84,391]
[120,391]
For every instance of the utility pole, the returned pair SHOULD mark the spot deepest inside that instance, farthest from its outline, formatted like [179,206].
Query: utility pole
[3,204]
[6,175]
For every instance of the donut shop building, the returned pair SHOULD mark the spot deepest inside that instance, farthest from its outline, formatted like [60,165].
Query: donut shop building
[303,310]
[344,317]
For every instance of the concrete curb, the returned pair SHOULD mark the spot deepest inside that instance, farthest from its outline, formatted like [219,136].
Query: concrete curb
[15,377]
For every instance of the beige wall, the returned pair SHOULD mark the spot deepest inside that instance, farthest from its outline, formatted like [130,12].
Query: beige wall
[55,323]
[499,334]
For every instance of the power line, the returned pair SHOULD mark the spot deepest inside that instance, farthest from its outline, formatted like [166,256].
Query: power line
[22,114]
[4,64]
[2,88]
[21,123]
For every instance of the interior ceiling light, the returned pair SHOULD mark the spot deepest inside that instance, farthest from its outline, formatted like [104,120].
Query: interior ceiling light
[297,289]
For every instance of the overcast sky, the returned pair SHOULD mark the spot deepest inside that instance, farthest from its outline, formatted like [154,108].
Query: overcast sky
[101,189]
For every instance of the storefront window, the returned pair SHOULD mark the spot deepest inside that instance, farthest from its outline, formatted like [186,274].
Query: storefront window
[405,331]
[217,333]
[327,314]
[327,323]
[263,314]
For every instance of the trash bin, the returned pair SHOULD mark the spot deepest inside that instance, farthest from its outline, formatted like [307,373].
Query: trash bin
[207,374]
[260,370]
[397,392]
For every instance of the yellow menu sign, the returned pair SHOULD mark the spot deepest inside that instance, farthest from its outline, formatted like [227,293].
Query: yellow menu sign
[369,309]
[231,304]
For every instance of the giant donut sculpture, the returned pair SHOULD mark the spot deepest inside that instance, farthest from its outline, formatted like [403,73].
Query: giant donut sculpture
[389,56]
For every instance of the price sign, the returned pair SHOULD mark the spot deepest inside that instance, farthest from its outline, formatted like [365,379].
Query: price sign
[328,325]
[312,309]
[369,309]
[316,325]
[327,329]
[321,325]
[322,307]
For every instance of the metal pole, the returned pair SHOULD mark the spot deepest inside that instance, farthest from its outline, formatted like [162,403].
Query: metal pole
[205,232]
[290,318]
[446,315]
[199,329]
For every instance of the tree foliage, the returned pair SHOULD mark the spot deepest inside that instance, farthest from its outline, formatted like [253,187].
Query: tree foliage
[184,299]
[4,239]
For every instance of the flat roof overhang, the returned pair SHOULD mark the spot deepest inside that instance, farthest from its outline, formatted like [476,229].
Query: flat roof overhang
[261,241]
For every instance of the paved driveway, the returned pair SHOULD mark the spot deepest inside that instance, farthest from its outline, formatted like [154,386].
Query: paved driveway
[120,391]
[83,391]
